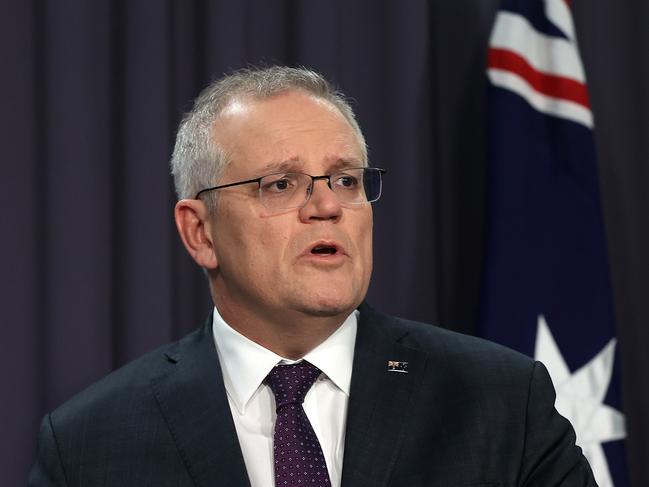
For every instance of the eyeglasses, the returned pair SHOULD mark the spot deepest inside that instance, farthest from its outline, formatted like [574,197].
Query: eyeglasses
[289,190]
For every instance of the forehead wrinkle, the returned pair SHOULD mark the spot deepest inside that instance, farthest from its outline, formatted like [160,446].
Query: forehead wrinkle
[344,152]
[296,164]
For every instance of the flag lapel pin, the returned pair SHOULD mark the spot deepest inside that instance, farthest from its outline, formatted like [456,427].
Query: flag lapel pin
[397,366]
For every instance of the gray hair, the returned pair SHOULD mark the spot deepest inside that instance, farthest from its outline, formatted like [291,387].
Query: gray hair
[198,161]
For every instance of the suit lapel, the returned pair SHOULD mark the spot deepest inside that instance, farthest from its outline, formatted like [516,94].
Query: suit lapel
[193,401]
[379,401]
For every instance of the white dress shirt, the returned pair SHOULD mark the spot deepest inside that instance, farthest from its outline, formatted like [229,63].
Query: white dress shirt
[245,364]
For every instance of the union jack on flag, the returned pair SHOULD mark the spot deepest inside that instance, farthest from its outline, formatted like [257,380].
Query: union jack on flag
[546,287]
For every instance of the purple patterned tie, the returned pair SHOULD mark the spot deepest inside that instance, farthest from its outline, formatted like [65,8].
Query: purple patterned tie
[299,460]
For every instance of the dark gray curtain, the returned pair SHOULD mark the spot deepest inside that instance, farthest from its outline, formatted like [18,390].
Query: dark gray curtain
[93,273]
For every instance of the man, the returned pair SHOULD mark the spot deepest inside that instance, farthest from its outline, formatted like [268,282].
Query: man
[294,380]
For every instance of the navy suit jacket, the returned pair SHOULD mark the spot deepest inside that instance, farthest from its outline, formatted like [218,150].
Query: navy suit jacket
[466,413]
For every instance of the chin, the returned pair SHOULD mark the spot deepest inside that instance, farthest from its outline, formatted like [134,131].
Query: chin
[329,304]
[326,311]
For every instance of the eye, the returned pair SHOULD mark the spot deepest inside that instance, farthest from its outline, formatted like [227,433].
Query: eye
[278,183]
[345,181]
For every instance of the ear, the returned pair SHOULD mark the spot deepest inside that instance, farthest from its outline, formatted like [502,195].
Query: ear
[193,224]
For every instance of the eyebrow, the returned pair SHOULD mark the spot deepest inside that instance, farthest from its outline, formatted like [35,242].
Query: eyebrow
[280,166]
[294,164]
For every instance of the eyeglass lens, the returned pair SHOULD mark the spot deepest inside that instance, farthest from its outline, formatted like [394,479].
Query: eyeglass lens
[292,190]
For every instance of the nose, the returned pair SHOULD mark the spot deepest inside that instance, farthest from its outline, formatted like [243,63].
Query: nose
[323,204]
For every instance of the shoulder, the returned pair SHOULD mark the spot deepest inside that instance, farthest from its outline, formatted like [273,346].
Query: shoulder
[461,357]
[485,399]
[128,388]
[116,426]
[430,338]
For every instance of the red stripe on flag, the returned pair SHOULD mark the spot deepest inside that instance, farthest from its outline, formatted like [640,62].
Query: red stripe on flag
[568,2]
[548,84]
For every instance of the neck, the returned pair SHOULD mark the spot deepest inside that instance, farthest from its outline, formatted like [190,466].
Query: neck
[292,335]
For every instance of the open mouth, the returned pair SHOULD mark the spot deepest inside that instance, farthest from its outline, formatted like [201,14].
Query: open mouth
[324,250]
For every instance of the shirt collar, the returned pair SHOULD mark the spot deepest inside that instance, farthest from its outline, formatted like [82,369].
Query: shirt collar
[245,364]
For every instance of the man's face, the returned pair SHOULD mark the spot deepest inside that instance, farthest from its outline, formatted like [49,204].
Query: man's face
[268,262]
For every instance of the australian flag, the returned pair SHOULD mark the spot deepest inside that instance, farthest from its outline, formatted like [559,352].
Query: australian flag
[547,289]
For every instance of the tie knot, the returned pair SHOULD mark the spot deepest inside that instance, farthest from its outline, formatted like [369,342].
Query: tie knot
[290,383]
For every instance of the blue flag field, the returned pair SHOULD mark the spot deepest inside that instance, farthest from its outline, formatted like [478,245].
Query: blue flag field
[547,288]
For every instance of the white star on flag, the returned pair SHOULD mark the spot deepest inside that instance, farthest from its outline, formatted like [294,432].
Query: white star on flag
[580,398]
